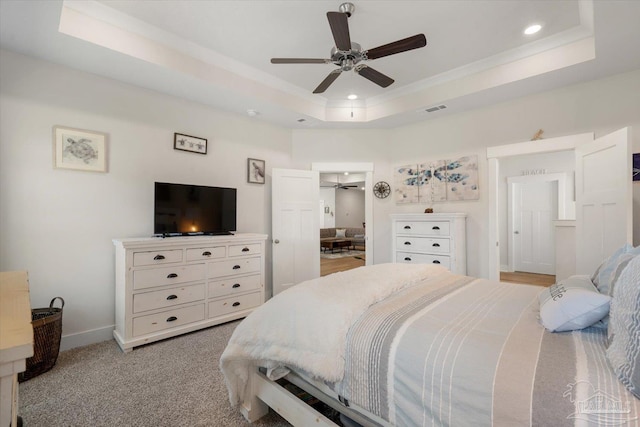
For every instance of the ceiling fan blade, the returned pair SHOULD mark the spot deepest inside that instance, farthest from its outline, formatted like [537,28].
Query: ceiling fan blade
[403,45]
[327,81]
[375,76]
[299,61]
[340,29]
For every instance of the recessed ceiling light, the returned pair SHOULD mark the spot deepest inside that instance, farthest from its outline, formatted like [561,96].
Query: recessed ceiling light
[252,113]
[352,96]
[532,29]
[346,173]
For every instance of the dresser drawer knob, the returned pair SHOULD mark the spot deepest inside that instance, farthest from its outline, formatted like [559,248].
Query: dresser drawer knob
[436,245]
[170,297]
[236,285]
[206,253]
[235,267]
[235,304]
[172,276]
[435,227]
[158,257]
[407,227]
[435,261]
[407,259]
[245,249]
[172,319]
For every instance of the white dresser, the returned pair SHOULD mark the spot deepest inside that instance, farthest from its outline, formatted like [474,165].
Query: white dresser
[435,238]
[170,286]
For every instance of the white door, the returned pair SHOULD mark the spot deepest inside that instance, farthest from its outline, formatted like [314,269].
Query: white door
[535,207]
[604,199]
[295,227]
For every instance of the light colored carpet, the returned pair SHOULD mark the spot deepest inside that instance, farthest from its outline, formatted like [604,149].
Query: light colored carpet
[175,382]
[342,254]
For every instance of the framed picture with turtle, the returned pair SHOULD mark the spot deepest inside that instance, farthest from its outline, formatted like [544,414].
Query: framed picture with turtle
[79,149]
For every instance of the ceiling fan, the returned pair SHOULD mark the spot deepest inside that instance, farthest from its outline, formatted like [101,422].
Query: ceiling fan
[338,185]
[348,55]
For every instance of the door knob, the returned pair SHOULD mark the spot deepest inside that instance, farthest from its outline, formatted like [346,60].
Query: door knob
[516,232]
[276,241]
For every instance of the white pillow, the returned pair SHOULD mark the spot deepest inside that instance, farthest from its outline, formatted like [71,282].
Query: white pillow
[572,304]
[340,233]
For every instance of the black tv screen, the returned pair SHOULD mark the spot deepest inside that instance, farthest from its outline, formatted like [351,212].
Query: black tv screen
[182,209]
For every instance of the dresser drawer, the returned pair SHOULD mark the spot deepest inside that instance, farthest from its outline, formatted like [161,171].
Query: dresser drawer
[198,254]
[167,319]
[234,285]
[157,257]
[426,228]
[167,297]
[423,244]
[413,258]
[231,304]
[250,249]
[167,275]
[236,266]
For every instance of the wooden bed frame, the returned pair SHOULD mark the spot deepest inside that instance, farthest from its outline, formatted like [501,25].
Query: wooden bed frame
[262,393]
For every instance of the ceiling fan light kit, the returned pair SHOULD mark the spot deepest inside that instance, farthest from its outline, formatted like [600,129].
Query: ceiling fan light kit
[348,55]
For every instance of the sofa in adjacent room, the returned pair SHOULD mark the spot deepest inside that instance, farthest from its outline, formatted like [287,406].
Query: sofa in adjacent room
[355,234]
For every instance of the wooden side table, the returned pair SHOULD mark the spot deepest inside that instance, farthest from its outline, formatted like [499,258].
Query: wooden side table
[16,340]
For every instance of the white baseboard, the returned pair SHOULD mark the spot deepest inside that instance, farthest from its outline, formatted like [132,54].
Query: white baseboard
[505,268]
[87,337]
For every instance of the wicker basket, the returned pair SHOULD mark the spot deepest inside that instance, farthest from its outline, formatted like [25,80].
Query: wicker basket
[47,330]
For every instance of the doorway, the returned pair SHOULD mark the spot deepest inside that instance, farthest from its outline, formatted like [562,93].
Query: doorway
[365,173]
[503,152]
[342,201]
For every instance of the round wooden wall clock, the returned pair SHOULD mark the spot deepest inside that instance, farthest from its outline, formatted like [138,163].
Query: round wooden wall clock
[381,190]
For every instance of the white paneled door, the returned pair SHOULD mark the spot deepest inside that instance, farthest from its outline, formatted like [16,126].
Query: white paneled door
[604,199]
[535,207]
[295,227]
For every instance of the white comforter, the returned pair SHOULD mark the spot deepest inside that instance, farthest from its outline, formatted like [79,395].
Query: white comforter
[270,337]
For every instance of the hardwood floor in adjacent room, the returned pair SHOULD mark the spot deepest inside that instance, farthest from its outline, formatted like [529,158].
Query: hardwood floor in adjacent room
[328,266]
[527,278]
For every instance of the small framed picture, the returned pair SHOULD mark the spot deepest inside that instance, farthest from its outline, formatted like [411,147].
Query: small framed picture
[636,167]
[326,209]
[189,143]
[255,171]
[79,149]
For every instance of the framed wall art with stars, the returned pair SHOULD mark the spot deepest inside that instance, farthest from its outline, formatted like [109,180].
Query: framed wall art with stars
[189,143]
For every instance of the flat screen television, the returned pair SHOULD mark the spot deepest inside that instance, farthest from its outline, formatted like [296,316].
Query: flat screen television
[185,210]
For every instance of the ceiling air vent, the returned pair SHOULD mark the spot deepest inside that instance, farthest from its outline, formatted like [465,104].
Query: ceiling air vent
[435,108]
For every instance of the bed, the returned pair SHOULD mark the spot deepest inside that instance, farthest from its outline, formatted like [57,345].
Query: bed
[407,345]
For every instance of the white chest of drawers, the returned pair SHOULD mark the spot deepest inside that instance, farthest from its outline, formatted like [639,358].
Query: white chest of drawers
[435,238]
[167,287]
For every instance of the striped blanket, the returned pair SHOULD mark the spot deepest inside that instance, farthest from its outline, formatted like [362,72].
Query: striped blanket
[442,350]
[458,351]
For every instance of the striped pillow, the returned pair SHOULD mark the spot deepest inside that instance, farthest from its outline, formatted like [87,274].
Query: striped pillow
[603,275]
[623,352]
